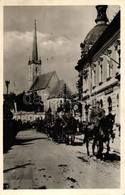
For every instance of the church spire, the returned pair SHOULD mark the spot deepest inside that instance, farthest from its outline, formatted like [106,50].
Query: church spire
[35,59]
[35,50]
[34,65]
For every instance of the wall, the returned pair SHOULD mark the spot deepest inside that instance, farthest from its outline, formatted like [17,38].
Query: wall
[54,103]
[28,116]
[103,85]
[46,92]
[33,73]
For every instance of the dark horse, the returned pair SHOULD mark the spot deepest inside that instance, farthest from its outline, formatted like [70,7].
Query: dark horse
[90,132]
[99,135]
[105,133]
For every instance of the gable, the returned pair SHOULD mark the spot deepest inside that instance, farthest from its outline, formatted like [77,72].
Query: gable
[59,90]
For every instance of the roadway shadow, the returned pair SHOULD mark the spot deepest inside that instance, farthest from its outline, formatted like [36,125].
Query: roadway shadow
[77,144]
[19,141]
[17,167]
[59,142]
[111,157]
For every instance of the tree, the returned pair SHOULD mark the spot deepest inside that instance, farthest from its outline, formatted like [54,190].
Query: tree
[79,85]
[29,102]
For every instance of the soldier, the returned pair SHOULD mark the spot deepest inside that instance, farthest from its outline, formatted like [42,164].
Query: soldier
[58,128]
[71,129]
[96,115]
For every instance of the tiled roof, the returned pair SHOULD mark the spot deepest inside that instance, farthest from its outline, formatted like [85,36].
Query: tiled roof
[58,90]
[42,81]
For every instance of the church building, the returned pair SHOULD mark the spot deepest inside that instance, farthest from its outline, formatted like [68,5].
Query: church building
[48,85]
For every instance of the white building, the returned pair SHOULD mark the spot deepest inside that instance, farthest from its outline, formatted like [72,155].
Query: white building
[99,66]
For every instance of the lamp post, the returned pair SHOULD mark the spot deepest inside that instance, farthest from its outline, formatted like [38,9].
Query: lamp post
[7,85]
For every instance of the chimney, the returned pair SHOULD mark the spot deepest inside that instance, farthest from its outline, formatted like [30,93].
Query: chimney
[101,14]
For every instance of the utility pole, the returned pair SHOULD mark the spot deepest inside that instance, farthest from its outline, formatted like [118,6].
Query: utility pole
[65,92]
[7,85]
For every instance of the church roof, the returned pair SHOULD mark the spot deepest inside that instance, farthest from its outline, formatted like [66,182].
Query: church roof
[60,90]
[42,81]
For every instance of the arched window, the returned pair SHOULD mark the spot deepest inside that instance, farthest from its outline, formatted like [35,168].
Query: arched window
[100,69]
[36,70]
[117,109]
[94,75]
[117,100]
[109,64]
[109,103]
[93,102]
[101,103]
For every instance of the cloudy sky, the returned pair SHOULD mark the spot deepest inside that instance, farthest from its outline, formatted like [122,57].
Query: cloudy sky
[60,30]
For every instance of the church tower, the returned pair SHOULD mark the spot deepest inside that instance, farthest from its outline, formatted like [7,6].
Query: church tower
[34,65]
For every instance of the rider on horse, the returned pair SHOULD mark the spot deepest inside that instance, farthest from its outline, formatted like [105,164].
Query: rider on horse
[96,115]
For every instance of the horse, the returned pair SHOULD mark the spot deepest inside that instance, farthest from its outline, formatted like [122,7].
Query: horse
[71,130]
[90,135]
[105,134]
[99,135]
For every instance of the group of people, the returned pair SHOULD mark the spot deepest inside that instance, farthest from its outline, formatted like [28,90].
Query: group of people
[58,127]
[65,127]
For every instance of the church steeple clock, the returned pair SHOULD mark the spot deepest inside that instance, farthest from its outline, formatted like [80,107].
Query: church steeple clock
[34,65]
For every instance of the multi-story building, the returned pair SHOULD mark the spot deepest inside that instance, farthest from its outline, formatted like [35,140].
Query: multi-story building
[99,66]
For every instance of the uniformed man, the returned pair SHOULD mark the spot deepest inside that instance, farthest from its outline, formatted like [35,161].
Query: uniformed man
[96,114]
[71,128]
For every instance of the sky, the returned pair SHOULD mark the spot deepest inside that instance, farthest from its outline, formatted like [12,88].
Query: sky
[60,30]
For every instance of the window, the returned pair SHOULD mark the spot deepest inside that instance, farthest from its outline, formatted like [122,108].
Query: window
[101,103]
[117,100]
[94,75]
[93,102]
[118,50]
[109,64]
[36,70]
[109,104]
[117,109]
[85,77]
[100,69]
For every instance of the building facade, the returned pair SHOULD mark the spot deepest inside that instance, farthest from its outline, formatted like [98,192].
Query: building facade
[99,66]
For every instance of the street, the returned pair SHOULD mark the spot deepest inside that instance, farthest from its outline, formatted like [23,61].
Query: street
[36,162]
